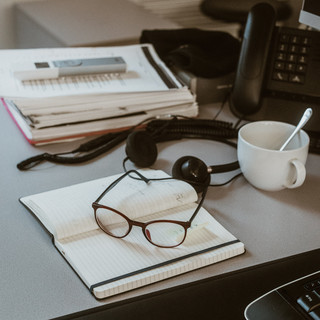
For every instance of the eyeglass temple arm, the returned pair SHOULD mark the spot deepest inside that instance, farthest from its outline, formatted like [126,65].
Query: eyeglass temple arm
[115,182]
[204,192]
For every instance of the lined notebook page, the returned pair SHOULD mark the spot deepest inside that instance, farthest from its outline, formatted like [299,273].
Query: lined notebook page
[99,258]
[68,211]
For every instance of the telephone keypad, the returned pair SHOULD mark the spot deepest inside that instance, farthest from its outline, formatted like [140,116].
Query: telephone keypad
[291,58]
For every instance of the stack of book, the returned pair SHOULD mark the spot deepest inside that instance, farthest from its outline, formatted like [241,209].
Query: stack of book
[76,106]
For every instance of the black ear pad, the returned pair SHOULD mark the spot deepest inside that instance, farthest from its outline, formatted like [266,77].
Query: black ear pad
[192,170]
[141,149]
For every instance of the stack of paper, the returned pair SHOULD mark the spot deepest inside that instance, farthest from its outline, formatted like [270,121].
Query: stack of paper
[76,106]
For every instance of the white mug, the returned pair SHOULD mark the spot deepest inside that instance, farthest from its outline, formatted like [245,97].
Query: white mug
[261,162]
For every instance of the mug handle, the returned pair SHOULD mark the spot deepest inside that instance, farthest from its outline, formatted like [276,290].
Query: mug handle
[300,173]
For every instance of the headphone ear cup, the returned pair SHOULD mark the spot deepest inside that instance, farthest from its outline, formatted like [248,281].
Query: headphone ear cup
[141,149]
[193,171]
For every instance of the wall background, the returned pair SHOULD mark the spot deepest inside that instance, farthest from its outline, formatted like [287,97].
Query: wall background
[186,13]
[7,37]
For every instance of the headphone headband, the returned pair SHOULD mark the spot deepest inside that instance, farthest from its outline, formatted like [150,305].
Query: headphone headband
[141,150]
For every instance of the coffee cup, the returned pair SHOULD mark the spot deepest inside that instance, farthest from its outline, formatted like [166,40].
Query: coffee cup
[261,162]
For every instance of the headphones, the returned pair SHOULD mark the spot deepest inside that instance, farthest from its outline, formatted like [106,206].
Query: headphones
[141,149]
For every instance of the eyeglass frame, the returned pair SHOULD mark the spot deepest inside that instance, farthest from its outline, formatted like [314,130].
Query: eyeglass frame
[143,225]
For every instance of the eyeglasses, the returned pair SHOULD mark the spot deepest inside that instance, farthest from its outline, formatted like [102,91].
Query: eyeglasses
[161,233]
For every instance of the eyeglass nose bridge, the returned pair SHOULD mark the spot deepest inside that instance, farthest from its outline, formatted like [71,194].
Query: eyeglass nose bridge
[143,226]
[138,224]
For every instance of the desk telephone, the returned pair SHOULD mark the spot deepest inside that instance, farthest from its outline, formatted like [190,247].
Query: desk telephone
[278,74]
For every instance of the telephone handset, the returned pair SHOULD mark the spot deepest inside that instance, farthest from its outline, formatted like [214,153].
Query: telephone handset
[278,74]
[249,79]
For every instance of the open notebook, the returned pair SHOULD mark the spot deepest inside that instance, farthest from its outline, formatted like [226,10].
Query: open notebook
[108,265]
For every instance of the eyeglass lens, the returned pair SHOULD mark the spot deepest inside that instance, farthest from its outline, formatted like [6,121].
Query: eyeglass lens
[165,234]
[160,233]
[112,222]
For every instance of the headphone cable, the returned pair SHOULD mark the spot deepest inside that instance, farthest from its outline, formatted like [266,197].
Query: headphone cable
[161,129]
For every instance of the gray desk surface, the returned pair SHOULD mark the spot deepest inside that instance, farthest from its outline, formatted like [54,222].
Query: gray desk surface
[36,283]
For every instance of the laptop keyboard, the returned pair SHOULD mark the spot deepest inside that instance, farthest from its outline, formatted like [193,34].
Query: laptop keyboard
[304,295]
[296,300]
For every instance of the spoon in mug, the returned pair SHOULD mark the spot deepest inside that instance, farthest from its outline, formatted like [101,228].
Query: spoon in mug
[304,119]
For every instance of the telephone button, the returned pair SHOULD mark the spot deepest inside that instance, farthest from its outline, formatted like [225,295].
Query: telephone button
[306,41]
[284,37]
[290,67]
[302,59]
[296,78]
[279,65]
[304,50]
[283,47]
[280,76]
[301,68]
[292,58]
[295,39]
[281,56]
[293,48]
